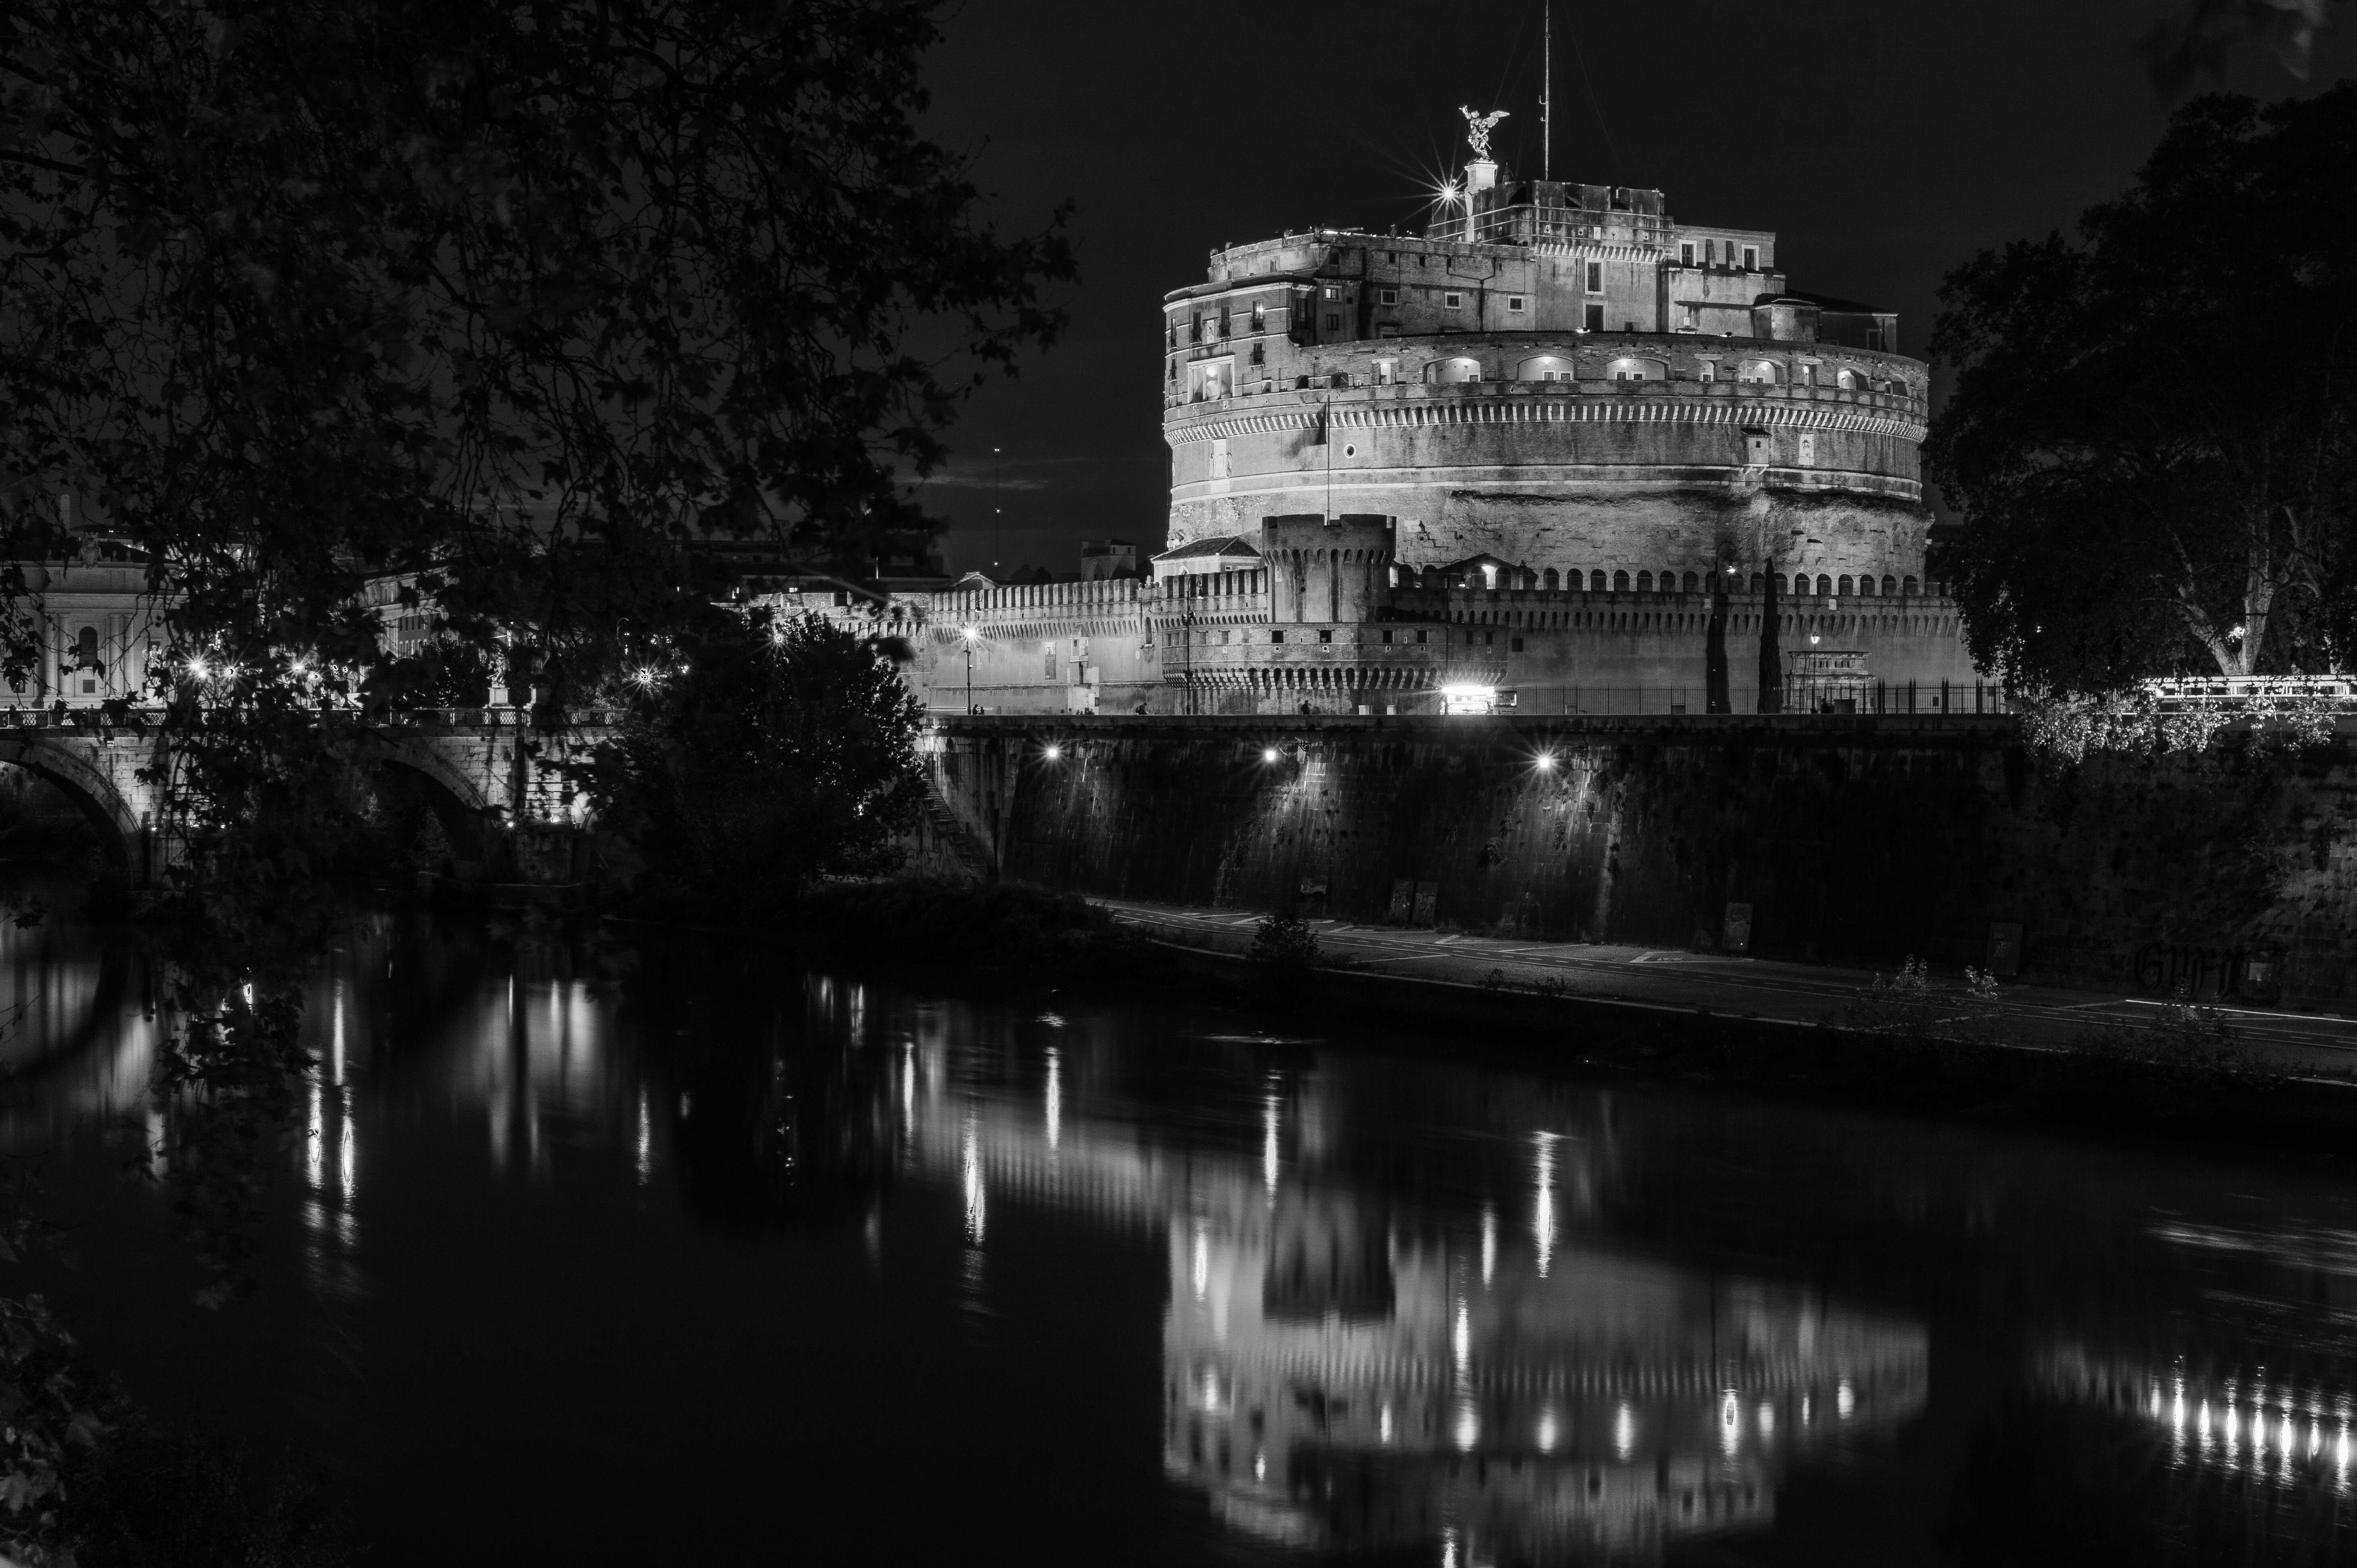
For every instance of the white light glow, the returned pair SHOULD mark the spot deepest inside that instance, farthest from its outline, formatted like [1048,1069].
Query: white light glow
[646,1140]
[1469,1425]
[1543,1213]
[1549,1434]
[1489,1245]
[1054,1097]
[1766,1414]
[1268,1145]
[1052,753]
[1383,1427]
[1198,1267]
[1544,762]
[970,1161]
[315,1141]
[1845,1400]
[1624,1432]
[1268,753]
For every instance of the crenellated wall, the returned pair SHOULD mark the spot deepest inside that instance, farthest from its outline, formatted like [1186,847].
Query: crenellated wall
[1852,839]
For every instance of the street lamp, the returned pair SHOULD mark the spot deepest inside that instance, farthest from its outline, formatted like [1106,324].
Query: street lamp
[969,671]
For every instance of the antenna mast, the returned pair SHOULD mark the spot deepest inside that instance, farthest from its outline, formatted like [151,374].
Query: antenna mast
[1547,90]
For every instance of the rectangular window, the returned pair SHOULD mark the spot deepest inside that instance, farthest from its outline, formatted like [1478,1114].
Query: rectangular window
[1593,320]
[1808,375]
[1424,637]
[1518,645]
[1051,661]
[1453,301]
[1386,371]
[1694,319]
[1195,329]
[1513,302]
[1260,316]
[1325,634]
[1685,253]
[1750,258]
[1223,321]
[1333,291]
[1709,370]
[1277,636]
[1387,635]
[1710,253]
[1333,322]
[1595,277]
[1390,296]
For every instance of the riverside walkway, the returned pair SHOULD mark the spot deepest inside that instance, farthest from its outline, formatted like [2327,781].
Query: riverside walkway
[1664,979]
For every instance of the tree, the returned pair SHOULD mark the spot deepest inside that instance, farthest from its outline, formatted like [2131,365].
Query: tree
[529,298]
[756,757]
[1771,653]
[526,300]
[2153,431]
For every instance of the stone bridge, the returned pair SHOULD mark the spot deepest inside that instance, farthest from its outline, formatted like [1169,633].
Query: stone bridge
[484,768]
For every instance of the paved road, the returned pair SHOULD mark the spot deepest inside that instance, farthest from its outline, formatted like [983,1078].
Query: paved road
[1741,987]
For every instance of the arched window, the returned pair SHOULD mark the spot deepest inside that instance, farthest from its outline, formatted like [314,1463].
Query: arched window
[1758,582]
[1619,582]
[1644,581]
[1907,588]
[1825,586]
[1596,581]
[1544,368]
[1452,373]
[1764,370]
[1552,579]
[1850,381]
[1636,370]
[1692,583]
[1889,587]
[86,646]
[1669,582]
[1846,588]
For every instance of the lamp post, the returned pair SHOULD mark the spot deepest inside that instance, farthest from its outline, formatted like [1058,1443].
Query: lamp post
[969,671]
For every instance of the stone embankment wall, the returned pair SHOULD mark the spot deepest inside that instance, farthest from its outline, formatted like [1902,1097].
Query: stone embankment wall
[1852,840]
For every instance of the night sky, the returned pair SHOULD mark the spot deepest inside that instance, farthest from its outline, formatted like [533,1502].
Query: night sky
[1883,144]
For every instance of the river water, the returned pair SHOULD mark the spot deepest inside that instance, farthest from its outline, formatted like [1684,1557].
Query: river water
[686,1254]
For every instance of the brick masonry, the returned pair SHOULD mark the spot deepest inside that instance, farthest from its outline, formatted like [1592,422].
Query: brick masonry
[1853,839]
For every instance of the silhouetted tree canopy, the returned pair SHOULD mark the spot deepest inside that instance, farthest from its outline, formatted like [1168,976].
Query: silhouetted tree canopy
[297,291]
[756,757]
[2152,430]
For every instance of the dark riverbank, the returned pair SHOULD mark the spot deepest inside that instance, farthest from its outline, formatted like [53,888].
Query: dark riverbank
[1932,1052]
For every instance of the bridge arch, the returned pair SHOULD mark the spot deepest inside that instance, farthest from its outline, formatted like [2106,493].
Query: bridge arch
[460,802]
[47,755]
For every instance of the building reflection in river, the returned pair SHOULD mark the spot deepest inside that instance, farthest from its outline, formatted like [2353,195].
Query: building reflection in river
[1343,1372]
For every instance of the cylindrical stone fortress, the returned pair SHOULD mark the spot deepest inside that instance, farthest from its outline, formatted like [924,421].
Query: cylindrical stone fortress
[1584,392]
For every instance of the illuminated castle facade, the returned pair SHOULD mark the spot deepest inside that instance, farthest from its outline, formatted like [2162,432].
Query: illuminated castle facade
[1503,461]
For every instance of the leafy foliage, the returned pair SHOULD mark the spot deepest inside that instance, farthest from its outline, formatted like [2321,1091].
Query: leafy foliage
[757,756]
[2154,477]
[1286,944]
[1909,1007]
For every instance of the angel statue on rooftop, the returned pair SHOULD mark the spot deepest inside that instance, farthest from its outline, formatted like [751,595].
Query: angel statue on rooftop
[1478,128]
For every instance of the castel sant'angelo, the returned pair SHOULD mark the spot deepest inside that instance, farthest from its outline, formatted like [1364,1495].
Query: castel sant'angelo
[1500,463]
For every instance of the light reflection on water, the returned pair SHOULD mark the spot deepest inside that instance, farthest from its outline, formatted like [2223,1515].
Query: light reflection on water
[1352,1343]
